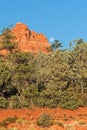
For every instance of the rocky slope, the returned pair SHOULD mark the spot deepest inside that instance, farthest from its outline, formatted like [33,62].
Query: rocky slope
[29,40]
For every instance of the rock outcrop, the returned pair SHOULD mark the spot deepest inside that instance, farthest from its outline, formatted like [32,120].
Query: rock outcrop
[29,41]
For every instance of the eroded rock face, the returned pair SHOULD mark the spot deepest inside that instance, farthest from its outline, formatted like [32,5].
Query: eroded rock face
[29,40]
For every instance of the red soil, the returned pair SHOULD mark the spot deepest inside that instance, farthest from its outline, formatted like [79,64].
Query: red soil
[70,119]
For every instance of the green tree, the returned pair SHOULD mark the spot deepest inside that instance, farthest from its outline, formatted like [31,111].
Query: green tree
[79,67]
[8,40]
[54,73]
[56,45]
[4,77]
[23,72]
[41,64]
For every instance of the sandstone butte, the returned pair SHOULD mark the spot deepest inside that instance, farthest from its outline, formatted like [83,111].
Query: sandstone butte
[29,41]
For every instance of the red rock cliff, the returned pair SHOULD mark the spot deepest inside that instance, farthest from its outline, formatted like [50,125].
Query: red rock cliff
[29,40]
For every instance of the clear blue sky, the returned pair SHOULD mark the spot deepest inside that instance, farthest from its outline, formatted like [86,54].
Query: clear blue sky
[64,20]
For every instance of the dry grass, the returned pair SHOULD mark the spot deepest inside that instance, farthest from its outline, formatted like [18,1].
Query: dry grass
[82,122]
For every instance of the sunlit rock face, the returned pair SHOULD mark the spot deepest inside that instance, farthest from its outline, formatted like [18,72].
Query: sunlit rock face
[29,41]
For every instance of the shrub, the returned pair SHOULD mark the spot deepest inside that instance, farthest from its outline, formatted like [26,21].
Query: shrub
[25,103]
[44,120]
[4,122]
[21,121]
[51,103]
[3,128]
[39,101]
[66,119]
[14,128]
[44,102]
[82,122]
[3,102]
[69,101]
[14,102]
[60,123]
[84,99]
[70,127]
[10,119]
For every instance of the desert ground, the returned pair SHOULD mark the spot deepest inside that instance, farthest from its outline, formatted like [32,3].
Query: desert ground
[61,119]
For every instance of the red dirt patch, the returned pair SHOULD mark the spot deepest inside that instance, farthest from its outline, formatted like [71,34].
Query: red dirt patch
[68,118]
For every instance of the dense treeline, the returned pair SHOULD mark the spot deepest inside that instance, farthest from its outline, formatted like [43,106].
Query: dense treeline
[58,78]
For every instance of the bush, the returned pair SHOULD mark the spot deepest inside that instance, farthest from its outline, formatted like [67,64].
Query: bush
[47,100]
[14,128]
[14,102]
[10,119]
[3,124]
[21,121]
[69,101]
[44,120]
[70,127]
[51,103]
[25,103]
[3,128]
[84,99]
[3,102]
[82,122]
[40,102]
[60,124]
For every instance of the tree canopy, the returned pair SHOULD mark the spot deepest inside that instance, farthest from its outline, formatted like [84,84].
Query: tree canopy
[44,80]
